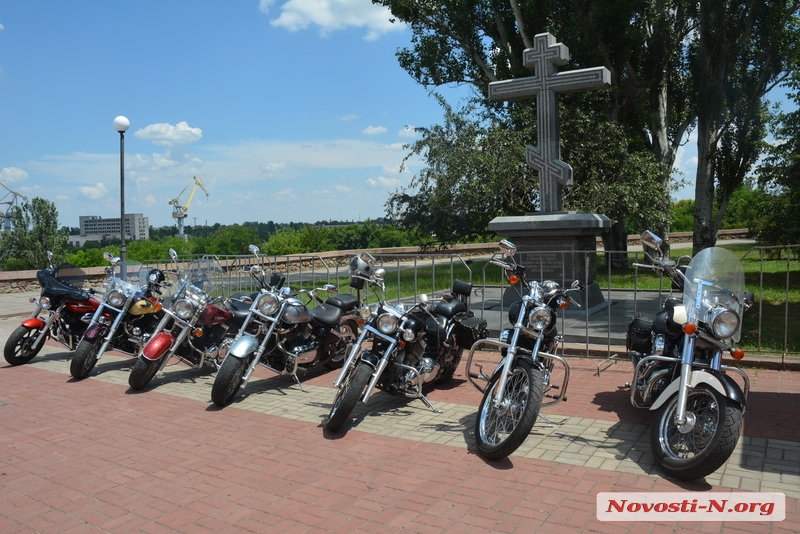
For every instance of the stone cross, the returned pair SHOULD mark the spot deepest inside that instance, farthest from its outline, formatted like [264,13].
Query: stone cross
[546,82]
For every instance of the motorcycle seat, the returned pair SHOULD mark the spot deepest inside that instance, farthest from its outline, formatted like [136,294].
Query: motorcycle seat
[450,309]
[327,315]
[344,301]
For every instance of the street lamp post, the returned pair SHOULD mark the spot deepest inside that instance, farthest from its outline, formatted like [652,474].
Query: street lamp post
[121,124]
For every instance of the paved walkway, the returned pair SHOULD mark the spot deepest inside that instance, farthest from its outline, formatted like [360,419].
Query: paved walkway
[95,456]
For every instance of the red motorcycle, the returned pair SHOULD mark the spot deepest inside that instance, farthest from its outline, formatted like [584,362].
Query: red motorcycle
[62,312]
[196,328]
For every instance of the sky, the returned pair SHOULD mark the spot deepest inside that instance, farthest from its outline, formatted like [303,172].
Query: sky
[287,110]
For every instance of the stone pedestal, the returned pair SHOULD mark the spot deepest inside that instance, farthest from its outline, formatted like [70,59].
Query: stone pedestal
[558,246]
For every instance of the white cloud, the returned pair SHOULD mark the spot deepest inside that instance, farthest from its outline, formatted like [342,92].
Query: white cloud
[343,189]
[96,192]
[408,132]
[333,15]
[346,118]
[13,175]
[174,137]
[374,130]
[2,27]
[382,181]
[264,5]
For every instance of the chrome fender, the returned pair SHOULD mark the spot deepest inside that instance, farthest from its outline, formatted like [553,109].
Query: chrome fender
[243,347]
[695,378]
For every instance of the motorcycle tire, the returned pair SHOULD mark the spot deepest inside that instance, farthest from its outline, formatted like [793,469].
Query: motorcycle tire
[448,373]
[228,381]
[143,372]
[707,446]
[347,396]
[19,349]
[343,346]
[85,358]
[499,431]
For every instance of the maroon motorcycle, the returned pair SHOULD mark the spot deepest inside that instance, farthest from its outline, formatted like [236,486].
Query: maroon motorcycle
[196,328]
[61,313]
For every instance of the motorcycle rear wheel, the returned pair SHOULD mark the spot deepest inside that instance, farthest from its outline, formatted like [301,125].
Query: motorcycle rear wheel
[347,396]
[19,349]
[85,357]
[706,447]
[143,372]
[349,328]
[228,381]
[500,430]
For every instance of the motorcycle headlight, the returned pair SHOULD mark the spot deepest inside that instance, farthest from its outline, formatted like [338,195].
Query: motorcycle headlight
[267,304]
[539,318]
[387,323]
[184,309]
[44,302]
[724,322]
[409,335]
[116,298]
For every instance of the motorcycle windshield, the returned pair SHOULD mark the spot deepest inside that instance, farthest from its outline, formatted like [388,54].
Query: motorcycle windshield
[206,274]
[715,278]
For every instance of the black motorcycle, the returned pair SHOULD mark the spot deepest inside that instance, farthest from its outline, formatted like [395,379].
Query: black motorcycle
[60,313]
[677,359]
[403,347]
[285,335]
[125,318]
[517,386]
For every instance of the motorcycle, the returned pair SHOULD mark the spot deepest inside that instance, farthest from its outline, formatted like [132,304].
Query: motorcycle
[403,348]
[195,328]
[677,359]
[515,391]
[284,335]
[65,305]
[123,321]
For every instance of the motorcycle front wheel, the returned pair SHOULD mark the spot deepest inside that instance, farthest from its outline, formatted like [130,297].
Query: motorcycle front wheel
[143,372]
[500,430]
[228,381]
[710,442]
[85,357]
[347,396]
[19,347]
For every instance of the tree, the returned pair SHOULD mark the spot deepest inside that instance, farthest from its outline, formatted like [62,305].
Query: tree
[741,50]
[34,232]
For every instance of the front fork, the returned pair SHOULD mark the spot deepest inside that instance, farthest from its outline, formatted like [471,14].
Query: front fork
[682,421]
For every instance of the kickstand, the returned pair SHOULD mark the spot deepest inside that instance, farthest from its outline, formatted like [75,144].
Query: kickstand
[428,404]
[298,383]
[546,420]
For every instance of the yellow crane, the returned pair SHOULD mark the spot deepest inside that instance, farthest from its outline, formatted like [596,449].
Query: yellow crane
[11,205]
[179,209]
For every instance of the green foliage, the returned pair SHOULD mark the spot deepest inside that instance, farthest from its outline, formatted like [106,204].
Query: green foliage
[682,213]
[34,232]
[91,257]
[284,241]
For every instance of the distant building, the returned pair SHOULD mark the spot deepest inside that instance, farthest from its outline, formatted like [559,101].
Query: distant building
[96,228]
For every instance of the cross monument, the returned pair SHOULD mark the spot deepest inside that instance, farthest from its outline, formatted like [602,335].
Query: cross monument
[546,83]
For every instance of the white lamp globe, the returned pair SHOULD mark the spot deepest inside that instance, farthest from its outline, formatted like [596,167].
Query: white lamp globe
[121,124]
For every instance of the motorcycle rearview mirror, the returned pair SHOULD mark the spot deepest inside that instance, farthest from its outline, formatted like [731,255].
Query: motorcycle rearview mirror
[108,256]
[173,255]
[577,285]
[423,298]
[651,240]
[380,273]
[254,249]
[330,288]
[507,247]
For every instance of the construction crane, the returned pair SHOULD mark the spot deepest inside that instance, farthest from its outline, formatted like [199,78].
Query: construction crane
[11,205]
[179,209]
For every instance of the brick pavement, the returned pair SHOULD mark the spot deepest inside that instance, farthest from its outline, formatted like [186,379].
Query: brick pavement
[94,456]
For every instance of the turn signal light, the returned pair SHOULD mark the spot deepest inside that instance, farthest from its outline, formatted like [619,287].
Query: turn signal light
[198,332]
[689,328]
[159,307]
[737,354]
[513,279]
[563,305]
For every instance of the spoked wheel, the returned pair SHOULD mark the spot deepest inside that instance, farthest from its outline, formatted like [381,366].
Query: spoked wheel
[500,430]
[143,372]
[19,347]
[703,447]
[347,396]
[85,358]
[228,381]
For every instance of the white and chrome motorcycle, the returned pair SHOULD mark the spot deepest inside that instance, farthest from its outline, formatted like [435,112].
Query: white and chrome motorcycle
[677,359]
